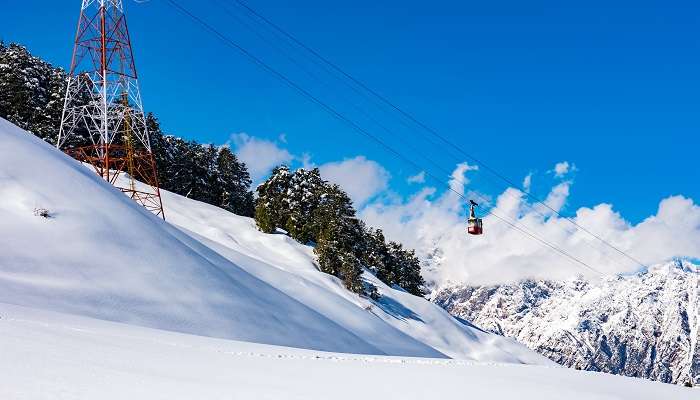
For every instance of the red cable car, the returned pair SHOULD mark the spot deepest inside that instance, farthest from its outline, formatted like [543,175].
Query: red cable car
[474,224]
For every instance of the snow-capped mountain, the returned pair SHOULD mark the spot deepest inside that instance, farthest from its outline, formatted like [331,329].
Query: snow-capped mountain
[644,325]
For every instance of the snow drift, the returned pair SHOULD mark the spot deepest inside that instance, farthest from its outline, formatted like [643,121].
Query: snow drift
[48,355]
[205,271]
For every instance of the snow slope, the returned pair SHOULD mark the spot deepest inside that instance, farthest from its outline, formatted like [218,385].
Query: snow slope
[205,272]
[50,356]
[289,267]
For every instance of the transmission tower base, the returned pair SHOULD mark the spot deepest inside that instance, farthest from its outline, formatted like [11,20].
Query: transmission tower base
[133,172]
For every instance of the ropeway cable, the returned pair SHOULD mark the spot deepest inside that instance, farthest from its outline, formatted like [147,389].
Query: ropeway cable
[359,129]
[432,131]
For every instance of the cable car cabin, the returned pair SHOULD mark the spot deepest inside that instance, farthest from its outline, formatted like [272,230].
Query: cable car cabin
[474,224]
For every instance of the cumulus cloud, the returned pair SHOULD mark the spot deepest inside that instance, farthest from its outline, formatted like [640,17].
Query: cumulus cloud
[417,178]
[556,199]
[259,155]
[433,226]
[361,178]
[459,179]
[561,169]
[434,222]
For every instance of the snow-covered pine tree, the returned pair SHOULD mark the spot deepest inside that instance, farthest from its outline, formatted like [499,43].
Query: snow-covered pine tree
[378,257]
[23,87]
[311,209]
[408,270]
[271,209]
[391,263]
[31,94]
[340,240]
[334,204]
[47,122]
[336,251]
[303,197]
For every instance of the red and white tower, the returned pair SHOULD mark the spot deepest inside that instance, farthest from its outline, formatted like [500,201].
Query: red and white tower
[103,102]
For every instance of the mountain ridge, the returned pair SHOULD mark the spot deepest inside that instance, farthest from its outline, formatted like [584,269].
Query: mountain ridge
[642,325]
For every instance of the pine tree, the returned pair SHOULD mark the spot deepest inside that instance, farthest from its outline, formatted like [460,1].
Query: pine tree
[409,277]
[181,168]
[209,185]
[194,168]
[271,210]
[161,148]
[392,264]
[337,254]
[340,238]
[23,87]
[233,184]
[378,258]
[303,197]
[312,210]
[32,92]
[334,205]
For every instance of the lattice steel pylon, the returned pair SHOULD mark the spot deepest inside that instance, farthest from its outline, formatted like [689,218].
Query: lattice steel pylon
[103,102]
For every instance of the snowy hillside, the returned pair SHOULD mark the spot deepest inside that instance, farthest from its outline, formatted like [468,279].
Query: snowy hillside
[205,272]
[49,356]
[644,325]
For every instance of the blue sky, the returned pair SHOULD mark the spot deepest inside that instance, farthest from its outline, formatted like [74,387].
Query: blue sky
[520,85]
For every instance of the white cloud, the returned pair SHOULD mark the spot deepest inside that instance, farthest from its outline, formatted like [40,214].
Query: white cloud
[527,182]
[433,226]
[306,161]
[433,222]
[563,168]
[453,199]
[361,178]
[259,155]
[417,178]
[556,199]
[458,178]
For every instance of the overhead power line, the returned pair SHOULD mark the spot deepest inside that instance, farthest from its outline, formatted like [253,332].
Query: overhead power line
[483,200]
[432,131]
[333,112]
